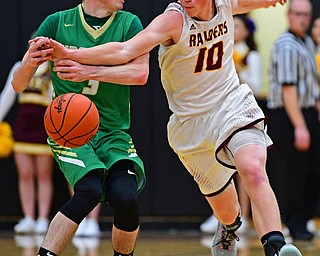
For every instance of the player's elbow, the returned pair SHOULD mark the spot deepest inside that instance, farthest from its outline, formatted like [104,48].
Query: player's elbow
[142,77]
[142,69]
[16,86]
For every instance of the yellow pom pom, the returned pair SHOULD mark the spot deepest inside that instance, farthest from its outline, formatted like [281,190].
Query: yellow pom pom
[237,57]
[5,129]
[6,140]
[318,62]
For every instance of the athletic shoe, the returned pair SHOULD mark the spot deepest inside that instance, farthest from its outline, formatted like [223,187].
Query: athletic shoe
[86,245]
[206,241]
[78,242]
[39,239]
[312,230]
[285,232]
[88,228]
[41,226]
[243,229]
[312,227]
[25,241]
[26,225]
[92,228]
[224,241]
[289,250]
[209,225]
[304,235]
[81,231]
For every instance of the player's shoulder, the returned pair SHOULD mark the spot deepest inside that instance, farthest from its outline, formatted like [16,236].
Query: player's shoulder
[127,19]
[126,14]
[54,17]
[175,6]
[71,10]
[173,13]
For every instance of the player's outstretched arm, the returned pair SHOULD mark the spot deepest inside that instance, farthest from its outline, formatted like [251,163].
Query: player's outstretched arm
[134,72]
[165,27]
[97,55]
[243,6]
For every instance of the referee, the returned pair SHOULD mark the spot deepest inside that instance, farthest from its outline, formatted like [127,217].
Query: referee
[294,163]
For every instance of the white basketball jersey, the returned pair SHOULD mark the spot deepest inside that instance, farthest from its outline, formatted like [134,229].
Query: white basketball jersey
[198,71]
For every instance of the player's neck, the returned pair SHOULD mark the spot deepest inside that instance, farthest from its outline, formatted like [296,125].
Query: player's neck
[208,13]
[95,11]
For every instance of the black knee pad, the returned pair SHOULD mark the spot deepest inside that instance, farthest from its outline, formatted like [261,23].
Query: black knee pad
[122,195]
[87,193]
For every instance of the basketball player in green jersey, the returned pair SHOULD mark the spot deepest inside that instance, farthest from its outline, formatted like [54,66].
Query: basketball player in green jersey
[107,169]
[217,127]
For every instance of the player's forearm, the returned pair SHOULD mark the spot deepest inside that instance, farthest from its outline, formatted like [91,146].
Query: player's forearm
[135,72]
[120,75]
[22,76]
[106,54]
[291,105]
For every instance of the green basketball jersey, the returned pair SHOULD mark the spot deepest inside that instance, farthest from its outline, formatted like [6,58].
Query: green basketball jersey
[75,30]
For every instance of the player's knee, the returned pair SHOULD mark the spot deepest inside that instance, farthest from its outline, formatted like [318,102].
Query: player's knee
[228,217]
[125,207]
[122,196]
[254,178]
[87,194]
[91,192]
[89,187]
[124,202]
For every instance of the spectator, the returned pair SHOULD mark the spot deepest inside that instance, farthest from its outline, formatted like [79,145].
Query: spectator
[316,38]
[293,101]
[32,155]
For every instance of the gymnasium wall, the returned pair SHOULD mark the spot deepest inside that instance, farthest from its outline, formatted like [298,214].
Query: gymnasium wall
[266,33]
[170,190]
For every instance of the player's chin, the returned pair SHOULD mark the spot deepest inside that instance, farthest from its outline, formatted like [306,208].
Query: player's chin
[120,5]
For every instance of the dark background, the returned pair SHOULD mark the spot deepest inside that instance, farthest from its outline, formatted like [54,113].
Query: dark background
[170,190]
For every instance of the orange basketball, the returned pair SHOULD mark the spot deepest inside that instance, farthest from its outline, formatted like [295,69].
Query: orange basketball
[71,120]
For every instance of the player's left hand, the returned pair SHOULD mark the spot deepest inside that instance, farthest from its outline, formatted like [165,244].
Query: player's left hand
[60,52]
[73,71]
[39,51]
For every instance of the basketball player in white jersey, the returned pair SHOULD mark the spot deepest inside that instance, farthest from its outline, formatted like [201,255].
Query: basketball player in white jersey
[217,128]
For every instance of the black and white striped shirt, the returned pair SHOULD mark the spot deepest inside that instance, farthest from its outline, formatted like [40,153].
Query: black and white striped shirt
[293,62]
